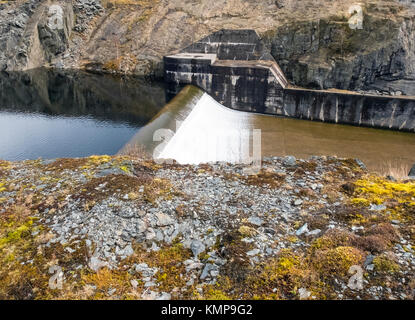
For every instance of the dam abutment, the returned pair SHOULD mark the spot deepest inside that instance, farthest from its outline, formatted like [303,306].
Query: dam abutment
[234,67]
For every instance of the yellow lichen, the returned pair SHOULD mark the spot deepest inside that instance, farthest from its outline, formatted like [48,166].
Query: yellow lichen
[337,261]
[396,196]
[385,264]
[16,233]
[159,188]
[332,239]
[105,280]
[246,231]
[376,190]
[169,262]
[279,276]
[213,294]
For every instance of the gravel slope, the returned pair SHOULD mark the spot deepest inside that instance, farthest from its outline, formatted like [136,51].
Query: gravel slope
[118,228]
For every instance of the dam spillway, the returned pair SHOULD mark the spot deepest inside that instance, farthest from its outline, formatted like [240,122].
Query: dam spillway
[194,128]
[237,70]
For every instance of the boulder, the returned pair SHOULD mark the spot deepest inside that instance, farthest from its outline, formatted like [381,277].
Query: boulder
[197,247]
[289,161]
[55,28]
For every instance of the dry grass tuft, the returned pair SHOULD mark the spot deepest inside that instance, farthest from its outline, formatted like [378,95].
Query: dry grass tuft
[399,171]
[265,177]
[114,184]
[136,151]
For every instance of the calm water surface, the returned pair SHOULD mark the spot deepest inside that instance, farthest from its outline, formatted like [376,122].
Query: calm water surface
[50,114]
[204,130]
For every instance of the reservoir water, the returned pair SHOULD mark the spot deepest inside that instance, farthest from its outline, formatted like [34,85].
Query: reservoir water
[49,114]
[198,129]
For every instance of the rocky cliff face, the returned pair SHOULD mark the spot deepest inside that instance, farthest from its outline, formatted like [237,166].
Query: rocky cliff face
[327,53]
[34,32]
[311,39]
[14,21]
[54,29]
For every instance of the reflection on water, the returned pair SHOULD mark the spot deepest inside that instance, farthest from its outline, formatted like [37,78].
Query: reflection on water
[30,136]
[193,116]
[48,113]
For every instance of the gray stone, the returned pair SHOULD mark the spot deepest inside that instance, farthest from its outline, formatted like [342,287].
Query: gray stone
[270,231]
[141,267]
[302,230]
[304,293]
[141,226]
[206,270]
[197,248]
[252,252]
[164,296]
[194,266]
[154,247]
[145,270]
[151,234]
[290,161]
[126,213]
[256,221]
[298,202]
[412,172]
[361,164]
[128,250]
[107,172]
[95,263]
[369,260]
[315,232]
[391,178]
[134,284]
[159,236]
[163,219]
[379,207]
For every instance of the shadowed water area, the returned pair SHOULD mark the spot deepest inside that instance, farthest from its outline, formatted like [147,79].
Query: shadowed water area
[49,113]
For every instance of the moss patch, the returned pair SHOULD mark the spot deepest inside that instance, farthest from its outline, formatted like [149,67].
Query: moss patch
[385,264]
[337,261]
[397,197]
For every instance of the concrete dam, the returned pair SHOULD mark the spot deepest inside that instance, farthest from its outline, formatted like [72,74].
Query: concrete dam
[238,71]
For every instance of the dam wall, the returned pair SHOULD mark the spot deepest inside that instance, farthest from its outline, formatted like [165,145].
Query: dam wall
[254,82]
[385,112]
[240,86]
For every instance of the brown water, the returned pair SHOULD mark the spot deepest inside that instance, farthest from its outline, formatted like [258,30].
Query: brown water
[203,123]
[380,150]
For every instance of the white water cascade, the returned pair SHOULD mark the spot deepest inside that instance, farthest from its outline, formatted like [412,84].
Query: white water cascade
[200,130]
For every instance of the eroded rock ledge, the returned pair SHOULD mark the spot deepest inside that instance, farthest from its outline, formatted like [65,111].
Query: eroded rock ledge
[118,227]
[315,48]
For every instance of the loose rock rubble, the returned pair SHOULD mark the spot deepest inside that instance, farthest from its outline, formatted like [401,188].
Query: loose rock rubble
[128,228]
[85,10]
